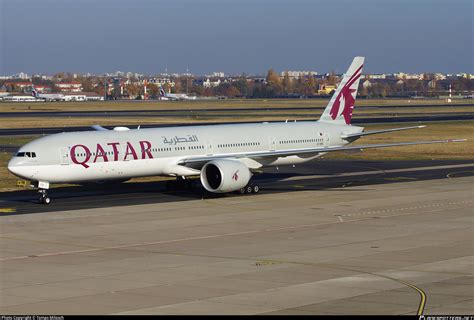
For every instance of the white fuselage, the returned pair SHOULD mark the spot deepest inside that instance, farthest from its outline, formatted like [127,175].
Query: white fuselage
[179,96]
[124,154]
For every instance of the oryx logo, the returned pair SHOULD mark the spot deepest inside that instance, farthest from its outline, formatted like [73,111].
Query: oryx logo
[235,176]
[349,100]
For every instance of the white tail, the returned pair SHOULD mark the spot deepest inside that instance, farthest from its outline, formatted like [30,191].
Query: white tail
[341,105]
[162,92]
[34,93]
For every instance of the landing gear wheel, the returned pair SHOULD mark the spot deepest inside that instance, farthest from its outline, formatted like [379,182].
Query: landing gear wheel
[43,198]
[248,189]
[242,190]
[256,189]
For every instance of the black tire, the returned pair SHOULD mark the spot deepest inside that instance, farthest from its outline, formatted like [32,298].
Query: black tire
[241,191]
[248,189]
[41,200]
[46,200]
[256,189]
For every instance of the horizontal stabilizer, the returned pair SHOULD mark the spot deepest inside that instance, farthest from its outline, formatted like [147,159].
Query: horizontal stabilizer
[353,136]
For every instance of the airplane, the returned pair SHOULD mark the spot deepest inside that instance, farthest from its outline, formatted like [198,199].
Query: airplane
[223,156]
[174,96]
[47,96]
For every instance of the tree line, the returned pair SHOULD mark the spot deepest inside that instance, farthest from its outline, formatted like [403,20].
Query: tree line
[271,86]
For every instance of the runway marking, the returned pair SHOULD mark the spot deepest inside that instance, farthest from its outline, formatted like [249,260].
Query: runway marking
[421,306]
[267,263]
[7,210]
[407,208]
[400,178]
[125,246]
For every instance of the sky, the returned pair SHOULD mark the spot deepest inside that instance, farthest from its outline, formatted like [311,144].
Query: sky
[235,36]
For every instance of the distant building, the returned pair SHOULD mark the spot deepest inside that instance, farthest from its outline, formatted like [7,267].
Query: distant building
[21,75]
[375,76]
[17,86]
[298,74]
[208,83]
[69,86]
[42,88]
[216,75]
[161,81]
[407,76]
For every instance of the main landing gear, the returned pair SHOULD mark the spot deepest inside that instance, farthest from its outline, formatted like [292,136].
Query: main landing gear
[43,197]
[250,188]
[180,183]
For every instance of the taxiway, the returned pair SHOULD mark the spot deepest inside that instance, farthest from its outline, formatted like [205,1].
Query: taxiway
[370,239]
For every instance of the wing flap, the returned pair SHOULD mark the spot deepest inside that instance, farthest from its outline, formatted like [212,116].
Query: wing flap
[353,136]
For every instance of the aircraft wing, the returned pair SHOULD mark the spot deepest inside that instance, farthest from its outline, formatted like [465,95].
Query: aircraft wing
[196,162]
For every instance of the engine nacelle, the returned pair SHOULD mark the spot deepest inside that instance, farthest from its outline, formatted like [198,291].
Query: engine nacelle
[223,175]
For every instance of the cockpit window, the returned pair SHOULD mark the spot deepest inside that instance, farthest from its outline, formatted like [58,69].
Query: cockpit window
[26,154]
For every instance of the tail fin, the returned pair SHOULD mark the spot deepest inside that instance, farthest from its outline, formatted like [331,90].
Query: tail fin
[339,108]
[34,93]
[162,92]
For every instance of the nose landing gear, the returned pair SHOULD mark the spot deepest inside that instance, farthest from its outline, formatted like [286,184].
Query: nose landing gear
[43,197]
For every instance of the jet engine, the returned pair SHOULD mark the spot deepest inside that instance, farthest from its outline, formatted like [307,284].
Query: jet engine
[224,175]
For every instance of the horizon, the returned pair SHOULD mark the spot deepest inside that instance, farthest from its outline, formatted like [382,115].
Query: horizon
[234,37]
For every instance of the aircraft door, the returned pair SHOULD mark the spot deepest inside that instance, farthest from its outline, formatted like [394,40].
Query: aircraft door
[272,143]
[64,155]
[326,139]
[209,150]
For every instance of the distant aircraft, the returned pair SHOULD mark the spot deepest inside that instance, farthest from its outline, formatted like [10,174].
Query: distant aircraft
[174,96]
[47,96]
[20,99]
[224,156]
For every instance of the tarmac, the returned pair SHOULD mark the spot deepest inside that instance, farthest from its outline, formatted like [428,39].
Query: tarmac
[361,238]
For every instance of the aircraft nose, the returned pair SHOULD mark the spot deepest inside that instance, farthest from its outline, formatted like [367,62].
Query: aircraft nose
[13,166]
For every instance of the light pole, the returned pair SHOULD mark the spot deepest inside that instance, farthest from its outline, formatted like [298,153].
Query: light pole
[105,88]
